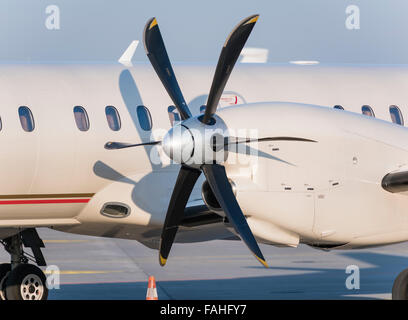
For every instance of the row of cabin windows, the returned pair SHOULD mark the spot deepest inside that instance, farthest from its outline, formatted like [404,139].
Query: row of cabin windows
[82,119]
[113,118]
[395,113]
[145,119]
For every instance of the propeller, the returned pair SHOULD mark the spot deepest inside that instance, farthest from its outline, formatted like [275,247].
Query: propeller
[157,54]
[189,147]
[122,145]
[218,180]
[186,180]
[228,57]
[234,140]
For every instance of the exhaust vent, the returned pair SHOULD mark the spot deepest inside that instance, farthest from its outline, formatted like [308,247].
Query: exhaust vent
[115,210]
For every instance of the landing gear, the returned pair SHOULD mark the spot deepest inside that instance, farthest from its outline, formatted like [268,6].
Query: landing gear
[400,287]
[26,282]
[5,269]
[18,279]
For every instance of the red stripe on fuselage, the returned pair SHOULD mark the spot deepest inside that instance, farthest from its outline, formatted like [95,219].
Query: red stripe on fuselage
[44,201]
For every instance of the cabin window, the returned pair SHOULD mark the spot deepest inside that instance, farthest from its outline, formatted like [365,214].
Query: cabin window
[396,115]
[367,111]
[173,115]
[26,118]
[112,116]
[81,118]
[145,119]
[337,106]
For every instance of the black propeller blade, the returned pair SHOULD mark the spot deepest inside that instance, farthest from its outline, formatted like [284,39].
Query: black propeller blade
[157,54]
[234,140]
[122,145]
[186,180]
[228,57]
[218,180]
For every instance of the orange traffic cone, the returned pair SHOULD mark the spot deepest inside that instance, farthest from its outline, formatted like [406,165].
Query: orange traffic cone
[151,290]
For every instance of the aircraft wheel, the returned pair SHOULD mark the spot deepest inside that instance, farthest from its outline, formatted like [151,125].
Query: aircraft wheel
[4,270]
[26,282]
[400,287]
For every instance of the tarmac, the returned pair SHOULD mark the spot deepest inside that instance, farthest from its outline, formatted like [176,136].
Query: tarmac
[102,268]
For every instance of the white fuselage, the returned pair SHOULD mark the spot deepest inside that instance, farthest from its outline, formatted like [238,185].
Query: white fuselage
[327,192]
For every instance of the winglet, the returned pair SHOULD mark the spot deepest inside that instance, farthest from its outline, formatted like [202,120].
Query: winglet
[127,56]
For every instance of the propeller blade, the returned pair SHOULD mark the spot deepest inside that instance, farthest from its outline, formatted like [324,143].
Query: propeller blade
[157,54]
[228,57]
[235,140]
[218,180]
[121,145]
[186,180]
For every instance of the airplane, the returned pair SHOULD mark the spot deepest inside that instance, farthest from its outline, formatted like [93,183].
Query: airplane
[293,153]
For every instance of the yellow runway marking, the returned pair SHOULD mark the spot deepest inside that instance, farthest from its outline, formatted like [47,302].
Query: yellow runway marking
[83,271]
[65,241]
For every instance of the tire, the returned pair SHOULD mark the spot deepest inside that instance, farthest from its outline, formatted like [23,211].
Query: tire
[5,268]
[26,282]
[400,287]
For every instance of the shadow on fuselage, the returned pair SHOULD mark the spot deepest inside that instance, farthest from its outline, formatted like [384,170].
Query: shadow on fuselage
[132,98]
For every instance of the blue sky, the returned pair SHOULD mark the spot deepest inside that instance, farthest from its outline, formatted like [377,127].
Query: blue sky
[194,31]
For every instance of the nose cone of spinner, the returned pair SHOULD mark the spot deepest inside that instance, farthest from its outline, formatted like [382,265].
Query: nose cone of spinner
[178,144]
